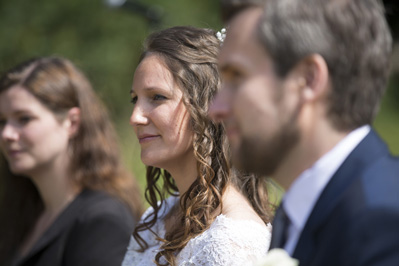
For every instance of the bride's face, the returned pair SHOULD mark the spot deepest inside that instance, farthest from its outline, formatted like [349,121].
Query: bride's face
[160,118]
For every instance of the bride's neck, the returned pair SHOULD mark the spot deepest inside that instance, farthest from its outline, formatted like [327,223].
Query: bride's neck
[184,173]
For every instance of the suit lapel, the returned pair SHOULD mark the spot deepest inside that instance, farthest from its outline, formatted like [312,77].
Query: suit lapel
[58,226]
[368,150]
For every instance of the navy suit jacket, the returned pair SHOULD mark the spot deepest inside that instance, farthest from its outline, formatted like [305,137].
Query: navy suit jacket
[94,229]
[356,219]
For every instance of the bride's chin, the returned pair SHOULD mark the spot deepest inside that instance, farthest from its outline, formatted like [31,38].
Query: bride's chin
[150,162]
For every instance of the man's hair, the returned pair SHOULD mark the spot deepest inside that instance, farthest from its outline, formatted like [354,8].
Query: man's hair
[230,8]
[353,38]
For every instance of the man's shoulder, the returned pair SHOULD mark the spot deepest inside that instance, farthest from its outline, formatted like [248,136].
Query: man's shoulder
[374,172]
[379,183]
[374,190]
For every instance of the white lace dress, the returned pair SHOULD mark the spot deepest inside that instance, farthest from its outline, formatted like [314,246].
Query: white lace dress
[227,242]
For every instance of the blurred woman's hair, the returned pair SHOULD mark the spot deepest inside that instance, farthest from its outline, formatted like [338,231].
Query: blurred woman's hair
[95,162]
[190,54]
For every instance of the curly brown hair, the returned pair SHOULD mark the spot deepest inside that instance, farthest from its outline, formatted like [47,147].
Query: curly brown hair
[191,56]
[96,162]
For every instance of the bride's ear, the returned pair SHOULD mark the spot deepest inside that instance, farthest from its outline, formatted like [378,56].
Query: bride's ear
[73,121]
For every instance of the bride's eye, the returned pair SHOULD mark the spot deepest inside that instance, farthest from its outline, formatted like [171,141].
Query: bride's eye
[158,97]
[134,100]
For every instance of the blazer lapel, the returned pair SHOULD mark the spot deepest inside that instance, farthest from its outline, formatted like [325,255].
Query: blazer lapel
[368,150]
[58,226]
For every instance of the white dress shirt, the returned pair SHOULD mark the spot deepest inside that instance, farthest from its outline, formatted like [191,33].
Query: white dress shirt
[303,194]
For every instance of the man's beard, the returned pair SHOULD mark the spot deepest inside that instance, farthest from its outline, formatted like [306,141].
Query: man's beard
[264,156]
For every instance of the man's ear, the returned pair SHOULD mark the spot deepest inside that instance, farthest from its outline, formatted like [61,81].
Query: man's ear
[73,121]
[313,77]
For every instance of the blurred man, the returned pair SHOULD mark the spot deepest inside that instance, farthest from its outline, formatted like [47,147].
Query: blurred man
[302,84]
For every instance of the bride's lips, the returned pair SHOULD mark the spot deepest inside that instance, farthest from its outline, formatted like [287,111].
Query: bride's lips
[144,138]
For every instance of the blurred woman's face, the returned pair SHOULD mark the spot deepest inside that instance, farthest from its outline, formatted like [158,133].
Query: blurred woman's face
[160,118]
[31,138]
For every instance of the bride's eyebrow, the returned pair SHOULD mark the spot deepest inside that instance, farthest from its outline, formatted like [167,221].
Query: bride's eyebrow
[150,89]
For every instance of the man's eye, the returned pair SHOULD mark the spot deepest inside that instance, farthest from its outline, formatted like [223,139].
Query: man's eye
[25,119]
[134,100]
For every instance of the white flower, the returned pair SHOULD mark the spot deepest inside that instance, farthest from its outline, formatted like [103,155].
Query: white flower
[221,35]
[277,257]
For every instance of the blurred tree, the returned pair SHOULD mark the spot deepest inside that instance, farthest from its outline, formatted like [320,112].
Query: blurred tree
[104,42]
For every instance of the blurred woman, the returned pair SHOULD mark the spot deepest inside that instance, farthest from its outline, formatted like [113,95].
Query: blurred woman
[213,216]
[66,199]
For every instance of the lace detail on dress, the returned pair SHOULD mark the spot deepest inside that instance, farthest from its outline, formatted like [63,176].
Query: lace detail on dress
[228,241]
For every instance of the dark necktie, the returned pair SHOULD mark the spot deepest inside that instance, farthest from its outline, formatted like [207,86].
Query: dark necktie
[280,228]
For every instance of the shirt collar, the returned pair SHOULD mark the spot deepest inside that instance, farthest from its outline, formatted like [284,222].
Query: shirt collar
[300,199]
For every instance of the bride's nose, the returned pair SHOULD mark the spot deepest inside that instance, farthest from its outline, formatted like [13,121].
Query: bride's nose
[139,115]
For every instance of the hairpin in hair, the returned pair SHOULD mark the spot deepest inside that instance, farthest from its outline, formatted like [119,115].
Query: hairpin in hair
[221,35]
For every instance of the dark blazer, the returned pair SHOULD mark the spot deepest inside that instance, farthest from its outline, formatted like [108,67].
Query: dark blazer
[356,219]
[93,230]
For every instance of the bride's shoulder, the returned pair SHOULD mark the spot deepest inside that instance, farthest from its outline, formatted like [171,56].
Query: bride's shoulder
[239,210]
[228,241]
[242,228]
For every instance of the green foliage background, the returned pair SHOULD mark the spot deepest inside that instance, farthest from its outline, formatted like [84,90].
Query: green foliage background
[105,43]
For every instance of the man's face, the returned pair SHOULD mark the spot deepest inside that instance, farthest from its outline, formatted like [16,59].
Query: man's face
[258,108]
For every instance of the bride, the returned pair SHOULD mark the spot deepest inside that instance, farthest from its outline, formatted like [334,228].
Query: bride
[213,215]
